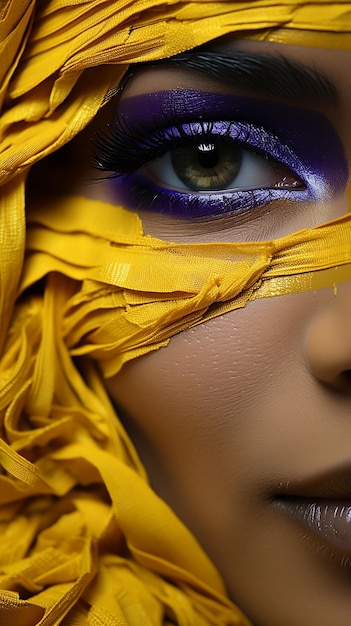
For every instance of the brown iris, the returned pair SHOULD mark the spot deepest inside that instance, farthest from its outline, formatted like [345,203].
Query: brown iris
[207,166]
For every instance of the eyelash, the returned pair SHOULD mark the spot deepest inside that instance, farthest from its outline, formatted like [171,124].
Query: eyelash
[124,149]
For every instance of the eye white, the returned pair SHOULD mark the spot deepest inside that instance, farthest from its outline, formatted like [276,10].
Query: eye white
[255,172]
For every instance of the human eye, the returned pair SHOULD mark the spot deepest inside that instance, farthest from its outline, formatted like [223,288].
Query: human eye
[187,164]
[213,157]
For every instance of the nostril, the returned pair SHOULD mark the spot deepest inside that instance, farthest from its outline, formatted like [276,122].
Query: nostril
[345,381]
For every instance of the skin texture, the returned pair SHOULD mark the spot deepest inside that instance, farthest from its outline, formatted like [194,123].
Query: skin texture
[258,399]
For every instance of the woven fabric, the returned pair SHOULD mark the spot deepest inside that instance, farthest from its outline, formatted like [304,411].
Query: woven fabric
[83,538]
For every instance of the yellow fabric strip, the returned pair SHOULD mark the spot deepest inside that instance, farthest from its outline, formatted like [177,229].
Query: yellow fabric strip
[136,291]
[78,522]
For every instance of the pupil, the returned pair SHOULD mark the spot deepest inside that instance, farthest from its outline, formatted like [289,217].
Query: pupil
[208,156]
[207,166]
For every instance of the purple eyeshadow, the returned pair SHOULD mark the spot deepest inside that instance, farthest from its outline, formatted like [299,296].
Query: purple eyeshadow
[138,196]
[303,140]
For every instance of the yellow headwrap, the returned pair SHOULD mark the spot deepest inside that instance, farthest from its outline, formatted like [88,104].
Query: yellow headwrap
[81,533]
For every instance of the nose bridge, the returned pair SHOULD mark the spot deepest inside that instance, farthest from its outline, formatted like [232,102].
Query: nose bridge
[341,315]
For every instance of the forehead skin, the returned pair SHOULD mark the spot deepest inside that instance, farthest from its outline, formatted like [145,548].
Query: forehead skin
[255,399]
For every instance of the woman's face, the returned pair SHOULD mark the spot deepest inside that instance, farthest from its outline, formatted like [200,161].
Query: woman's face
[244,422]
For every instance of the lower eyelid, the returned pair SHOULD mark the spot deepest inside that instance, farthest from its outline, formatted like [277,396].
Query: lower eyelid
[137,194]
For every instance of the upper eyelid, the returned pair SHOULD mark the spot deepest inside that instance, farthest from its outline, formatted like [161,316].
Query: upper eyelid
[306,132]
[158,141]
[302,133]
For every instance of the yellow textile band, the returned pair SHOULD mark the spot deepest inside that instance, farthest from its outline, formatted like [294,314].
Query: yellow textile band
[83,538]
[59,60]
[136,291]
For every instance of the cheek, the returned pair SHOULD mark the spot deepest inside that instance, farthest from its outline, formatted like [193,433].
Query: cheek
[212,397]
[224,416]
[206,413]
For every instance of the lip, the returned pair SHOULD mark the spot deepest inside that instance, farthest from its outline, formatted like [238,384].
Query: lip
[322,505]
[328,519]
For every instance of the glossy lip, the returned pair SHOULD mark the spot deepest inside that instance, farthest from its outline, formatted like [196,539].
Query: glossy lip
[329,520]
[323,507]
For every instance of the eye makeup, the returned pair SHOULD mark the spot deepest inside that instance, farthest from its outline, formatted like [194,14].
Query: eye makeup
[298,150]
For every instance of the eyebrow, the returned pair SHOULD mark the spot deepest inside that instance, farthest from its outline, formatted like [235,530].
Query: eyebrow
[268,74]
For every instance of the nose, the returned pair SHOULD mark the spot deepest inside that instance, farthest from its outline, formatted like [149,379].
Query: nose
[328,342]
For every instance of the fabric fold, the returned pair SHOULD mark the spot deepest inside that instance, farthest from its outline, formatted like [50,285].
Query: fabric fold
[83,537]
